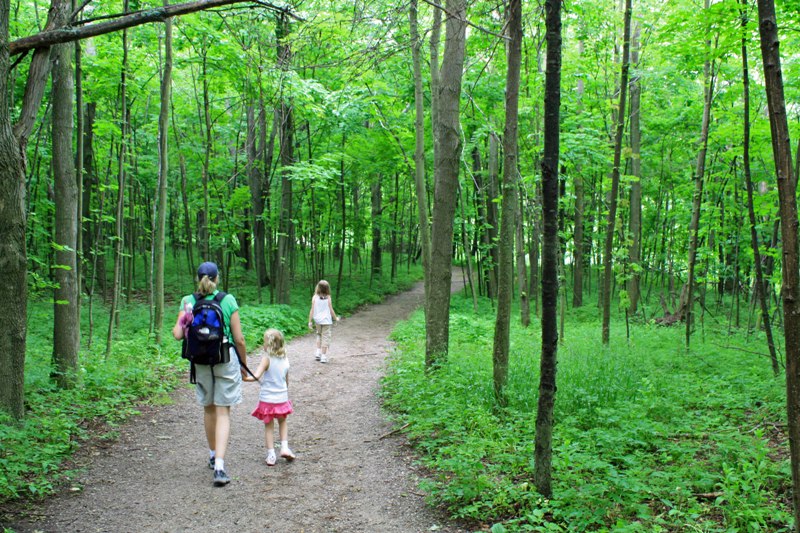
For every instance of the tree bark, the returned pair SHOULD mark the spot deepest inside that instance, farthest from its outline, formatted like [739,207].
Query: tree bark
[543,441]
[447,163]
[285,225]
[120,226]
[697,198]
[635,222]
[66,312]
[760,285]
[505,285]
[163,176]
[13,255]
[419,150]
[615,172]
[377,213]
[787,190]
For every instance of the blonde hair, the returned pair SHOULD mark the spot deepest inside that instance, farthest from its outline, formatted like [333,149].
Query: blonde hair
[274,344]
[207,286]
[323,288]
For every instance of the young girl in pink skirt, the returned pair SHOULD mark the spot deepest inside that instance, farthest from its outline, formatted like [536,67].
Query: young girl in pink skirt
[274,400]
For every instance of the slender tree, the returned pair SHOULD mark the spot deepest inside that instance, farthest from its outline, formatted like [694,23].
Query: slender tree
[787,191]
[510,186]
[615,173]
[66,318]
[760,285]
[419,148]
[697,197]
[447,164]
[163,177]
[543,441]
[635,221]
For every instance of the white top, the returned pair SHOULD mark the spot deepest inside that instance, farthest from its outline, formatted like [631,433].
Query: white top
[322,310]
[273,383]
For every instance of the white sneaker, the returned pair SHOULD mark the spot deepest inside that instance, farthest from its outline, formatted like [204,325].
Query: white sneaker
[323,358]
[287,454]
[271,459]
[317,357]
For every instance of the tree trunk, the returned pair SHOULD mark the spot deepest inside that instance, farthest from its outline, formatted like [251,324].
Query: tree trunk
[419,150]
[163,176]
[66,316]
[13,256]
[285,224]
[787,189]
[256,197]
[510,187]
[492,218]
[578,246]
[120,227]
[635,222]
[205,214]
[760,286]
[697,199]
[543,441]
[447,163]
[615,171]
[377,214]
[522,272]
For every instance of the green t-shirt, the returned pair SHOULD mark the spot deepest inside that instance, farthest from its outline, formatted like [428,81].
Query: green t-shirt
[228,305]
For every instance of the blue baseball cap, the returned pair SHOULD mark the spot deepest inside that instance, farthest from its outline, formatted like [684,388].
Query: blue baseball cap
[208,269]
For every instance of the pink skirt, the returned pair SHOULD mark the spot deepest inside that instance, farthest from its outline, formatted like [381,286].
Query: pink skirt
[267,412]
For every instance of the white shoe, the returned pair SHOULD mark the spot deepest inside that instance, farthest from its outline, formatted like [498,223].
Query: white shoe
[271,459]
[287,454]
[323,358]
[317,357]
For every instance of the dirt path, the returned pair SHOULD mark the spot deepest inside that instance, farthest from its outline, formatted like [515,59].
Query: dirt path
[346,478]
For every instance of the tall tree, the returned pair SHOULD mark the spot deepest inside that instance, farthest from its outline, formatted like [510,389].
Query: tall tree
[543,441]
[615,172]
[447,163]
[286,124]
[419,147]
[635,221]
[66,318]
[13,255]
[163,177]
[761,288]
[121,171]
[508,221]
[699,174]
[787,191]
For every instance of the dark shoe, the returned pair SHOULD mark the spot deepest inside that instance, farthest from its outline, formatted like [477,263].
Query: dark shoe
[221,478]
[211,463]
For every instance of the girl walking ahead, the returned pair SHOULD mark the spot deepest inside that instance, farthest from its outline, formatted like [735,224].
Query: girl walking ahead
[273,401]
[322,315]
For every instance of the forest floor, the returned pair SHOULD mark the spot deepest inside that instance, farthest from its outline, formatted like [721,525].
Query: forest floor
[352,472]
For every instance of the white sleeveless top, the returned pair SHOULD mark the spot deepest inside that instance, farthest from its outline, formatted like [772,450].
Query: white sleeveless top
[322,310]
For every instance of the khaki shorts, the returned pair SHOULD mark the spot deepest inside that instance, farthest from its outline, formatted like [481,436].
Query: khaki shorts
[225,389]
[324,335]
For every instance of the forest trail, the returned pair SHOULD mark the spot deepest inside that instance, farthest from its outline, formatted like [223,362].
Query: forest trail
[350,475]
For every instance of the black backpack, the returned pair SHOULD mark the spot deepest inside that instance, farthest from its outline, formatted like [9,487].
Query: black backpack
[204,343]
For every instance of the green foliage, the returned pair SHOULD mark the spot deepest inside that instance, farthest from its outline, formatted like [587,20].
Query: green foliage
[34,456]
[647,437]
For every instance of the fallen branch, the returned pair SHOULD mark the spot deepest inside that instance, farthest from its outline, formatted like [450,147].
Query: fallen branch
[395,430]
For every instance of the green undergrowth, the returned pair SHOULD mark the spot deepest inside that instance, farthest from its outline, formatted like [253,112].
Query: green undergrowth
[648,437]
[35,455]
